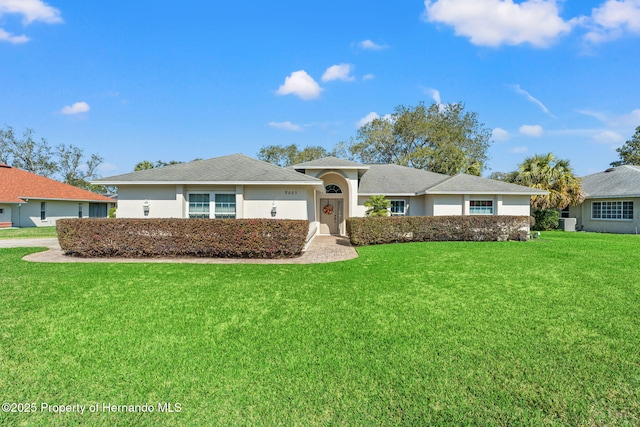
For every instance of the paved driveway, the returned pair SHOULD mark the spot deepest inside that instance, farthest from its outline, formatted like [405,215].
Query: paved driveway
[321,249]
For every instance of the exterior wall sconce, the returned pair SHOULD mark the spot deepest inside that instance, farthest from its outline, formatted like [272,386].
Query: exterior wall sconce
[273,210]
[145,208]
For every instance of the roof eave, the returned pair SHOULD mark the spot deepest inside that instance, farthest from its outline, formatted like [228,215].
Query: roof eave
[58,199]
[501,193]
[116,183]
[386,194]
[610,196]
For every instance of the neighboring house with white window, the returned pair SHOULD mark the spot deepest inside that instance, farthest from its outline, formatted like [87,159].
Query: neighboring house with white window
[612,201]
[30,200]
[324,191]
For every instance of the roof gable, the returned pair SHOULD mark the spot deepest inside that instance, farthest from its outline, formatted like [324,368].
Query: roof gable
[471,184]
[396,179]
[622,181]
[235,168]
[329,162]
[18,185]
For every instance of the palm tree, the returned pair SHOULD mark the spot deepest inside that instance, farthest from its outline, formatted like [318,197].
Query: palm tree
[556,176]
[144,165]
[378,206]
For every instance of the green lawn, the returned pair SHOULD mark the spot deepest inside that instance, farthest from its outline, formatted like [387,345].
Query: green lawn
[539,333]
[28,232]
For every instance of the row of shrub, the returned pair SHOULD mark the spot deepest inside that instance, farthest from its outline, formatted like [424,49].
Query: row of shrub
[134,238]
[377,230]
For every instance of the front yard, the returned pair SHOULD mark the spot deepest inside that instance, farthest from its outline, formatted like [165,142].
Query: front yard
[28,233]
[539,333]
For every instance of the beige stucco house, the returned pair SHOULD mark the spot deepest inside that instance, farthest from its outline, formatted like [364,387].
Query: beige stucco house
[324,191]
[612,197]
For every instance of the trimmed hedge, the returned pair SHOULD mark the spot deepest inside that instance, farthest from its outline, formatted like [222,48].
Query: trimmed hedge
[168,237]
[372,231]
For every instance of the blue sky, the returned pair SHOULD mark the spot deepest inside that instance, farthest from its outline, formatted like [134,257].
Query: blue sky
[167,80]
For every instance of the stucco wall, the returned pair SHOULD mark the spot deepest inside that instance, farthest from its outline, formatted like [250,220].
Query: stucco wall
[293,202]
[28,213]
[162,199]
[448,205]
[514,205]
[5,216]
[582,213]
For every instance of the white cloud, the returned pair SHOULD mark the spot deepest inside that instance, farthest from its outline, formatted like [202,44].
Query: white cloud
[367,119]
[531,130]
[8,37]
[371,45]
[613,19]
[288,126]
[301,84]
[631,119]
[530,98]
[338,72]
[595,114]
[499,134]
[368,77]
[371,117]
[518,150]
[608,137]
[435,95]
[500,22]
[31,10]
[625,120]
[76,108]
[107,167]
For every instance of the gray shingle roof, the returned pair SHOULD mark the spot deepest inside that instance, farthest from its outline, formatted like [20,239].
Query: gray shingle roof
[623,181]
[395,179]
[471,184]
[328,162]
[235,168]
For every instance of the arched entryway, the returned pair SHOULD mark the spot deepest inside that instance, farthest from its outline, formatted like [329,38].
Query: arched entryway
[332,204]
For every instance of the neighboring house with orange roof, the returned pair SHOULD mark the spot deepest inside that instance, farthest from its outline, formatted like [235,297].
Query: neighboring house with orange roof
[30,200]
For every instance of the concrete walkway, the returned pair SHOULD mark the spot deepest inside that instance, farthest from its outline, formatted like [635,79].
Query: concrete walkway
[321,249]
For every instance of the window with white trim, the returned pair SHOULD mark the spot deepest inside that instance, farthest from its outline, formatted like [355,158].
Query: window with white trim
[481,207]
[224,205]
[612,210]
[199,205]
[398,207]
[333,189]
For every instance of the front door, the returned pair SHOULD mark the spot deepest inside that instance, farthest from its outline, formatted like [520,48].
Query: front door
[330,216]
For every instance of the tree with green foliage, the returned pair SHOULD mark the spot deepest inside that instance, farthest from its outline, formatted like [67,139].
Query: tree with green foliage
[144,165]
[288,155]
[66,162]
[378,206]
[75,169]
[161,164]
[546,172]
[26,153]
[441,138]
[629,153]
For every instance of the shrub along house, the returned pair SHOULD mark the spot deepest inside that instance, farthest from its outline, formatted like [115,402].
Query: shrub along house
[30,200]
[325,192]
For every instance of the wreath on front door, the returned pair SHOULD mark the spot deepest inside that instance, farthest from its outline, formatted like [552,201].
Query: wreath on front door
[328,209]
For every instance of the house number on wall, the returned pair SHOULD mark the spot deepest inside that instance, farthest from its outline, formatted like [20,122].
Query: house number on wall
[290,192]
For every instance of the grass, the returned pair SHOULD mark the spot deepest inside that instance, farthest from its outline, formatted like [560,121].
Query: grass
[539,333]
[28,232]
